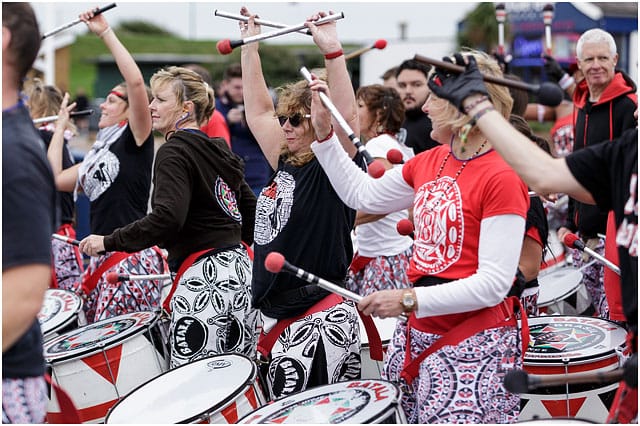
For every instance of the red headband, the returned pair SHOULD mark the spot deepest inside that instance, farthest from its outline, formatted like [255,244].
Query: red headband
[119,94]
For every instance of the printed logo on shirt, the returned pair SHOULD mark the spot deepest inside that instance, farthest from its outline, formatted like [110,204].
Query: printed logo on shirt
[102,173]
[274,208]
[227,199]
[440,221]
[627,235]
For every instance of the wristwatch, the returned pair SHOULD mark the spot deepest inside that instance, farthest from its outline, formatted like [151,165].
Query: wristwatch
[409,302]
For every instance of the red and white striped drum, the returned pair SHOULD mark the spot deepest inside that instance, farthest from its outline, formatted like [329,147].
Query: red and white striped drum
[102,362]
[61,312]
[565,345]
[352,401]
[216,389]
[372,369]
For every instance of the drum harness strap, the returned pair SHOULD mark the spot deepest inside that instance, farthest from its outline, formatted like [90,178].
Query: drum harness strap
[499,315]
[68,412]
[266,341]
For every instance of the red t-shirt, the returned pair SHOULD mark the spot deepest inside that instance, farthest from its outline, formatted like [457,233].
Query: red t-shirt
[217,127]
[448,212]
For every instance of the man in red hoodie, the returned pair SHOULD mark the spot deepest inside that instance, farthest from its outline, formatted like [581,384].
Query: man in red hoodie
[605,101]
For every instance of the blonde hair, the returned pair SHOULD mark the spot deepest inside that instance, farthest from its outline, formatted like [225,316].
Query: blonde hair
[295,98]
[187,86]
[499,95]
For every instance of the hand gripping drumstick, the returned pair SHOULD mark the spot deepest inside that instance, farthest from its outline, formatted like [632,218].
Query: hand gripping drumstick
[548,93]
[70,241]
[55,117]
[226,46]
[97,11]
[113,277]
[572,241]
[501,15]
[275,263]
[379,44]
[547,17]
[376,169]
[257,21]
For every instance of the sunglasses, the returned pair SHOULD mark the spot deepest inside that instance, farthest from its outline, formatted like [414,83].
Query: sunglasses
[295,120]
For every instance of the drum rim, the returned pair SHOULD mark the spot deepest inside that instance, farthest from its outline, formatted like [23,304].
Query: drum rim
[74,313]
[218,407]
[393,403]
[558,298]
[121,338]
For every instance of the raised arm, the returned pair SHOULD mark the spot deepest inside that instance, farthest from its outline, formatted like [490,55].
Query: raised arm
[139,115]
[65,179]
[342,95]
[258,105]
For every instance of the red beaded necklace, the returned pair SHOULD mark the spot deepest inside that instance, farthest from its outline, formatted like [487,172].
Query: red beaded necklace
[464,163]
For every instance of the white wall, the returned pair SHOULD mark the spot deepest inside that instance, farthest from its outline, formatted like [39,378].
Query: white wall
[375,62]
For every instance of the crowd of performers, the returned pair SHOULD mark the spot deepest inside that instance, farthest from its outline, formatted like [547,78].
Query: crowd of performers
[466,276]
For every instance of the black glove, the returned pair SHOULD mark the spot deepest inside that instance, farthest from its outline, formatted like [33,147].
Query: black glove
[457,87]
[504,61]
[553,68]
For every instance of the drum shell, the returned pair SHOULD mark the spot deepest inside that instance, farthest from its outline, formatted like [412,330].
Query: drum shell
[562,292]
[96,379]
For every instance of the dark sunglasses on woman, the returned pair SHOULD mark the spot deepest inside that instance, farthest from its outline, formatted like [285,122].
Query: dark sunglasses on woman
[295,120]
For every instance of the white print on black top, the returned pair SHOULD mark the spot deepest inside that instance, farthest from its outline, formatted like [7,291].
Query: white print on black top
[101,174]
[628,231]
[273,208]
[227,199]
[441,224]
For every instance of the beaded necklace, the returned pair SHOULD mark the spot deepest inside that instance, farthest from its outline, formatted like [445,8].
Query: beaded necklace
[436,200]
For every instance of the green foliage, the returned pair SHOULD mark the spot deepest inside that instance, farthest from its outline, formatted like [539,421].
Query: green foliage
[141,27]
[480,30]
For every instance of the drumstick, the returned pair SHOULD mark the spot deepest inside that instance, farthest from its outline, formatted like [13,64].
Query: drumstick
[549,94]
[257,21]
[65,239]
[226,46]
[379,44]
[547,17]
[376,168]
[96,11]
[573,241]
[114,277]
[519,381]
[501,15]
[55,117]
[275,263]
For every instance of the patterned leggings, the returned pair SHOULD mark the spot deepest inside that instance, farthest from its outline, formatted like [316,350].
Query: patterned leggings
[24,400]
[318,349]
[381,273]
[110,300]
[593,277]
[211,309]
[458,384]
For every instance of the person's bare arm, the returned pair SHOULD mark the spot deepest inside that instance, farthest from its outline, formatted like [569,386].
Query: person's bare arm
[530,258]
[23,289]
[258,105]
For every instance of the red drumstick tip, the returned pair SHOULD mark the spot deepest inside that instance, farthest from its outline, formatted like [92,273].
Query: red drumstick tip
[380,44]
[274,262]
[394,156]
[404,227]
[570,239]
[224,46]
[376,169]
[112,278]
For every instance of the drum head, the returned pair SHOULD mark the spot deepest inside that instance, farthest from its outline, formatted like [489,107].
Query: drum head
[558,284]
[553,338]
[386,327]
[59,308]
[355,401]
[96,336]
[187,393]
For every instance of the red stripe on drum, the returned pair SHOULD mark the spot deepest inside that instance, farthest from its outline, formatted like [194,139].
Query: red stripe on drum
[573,368]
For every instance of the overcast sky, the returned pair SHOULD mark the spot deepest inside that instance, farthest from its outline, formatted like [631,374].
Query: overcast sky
[364,21]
